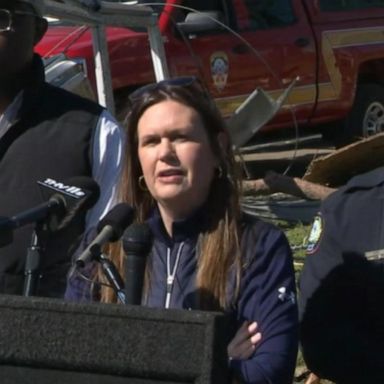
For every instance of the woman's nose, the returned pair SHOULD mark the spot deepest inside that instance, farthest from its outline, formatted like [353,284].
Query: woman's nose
[166,149]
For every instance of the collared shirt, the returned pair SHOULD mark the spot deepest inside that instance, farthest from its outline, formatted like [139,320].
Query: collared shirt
[9,115]
[107,152]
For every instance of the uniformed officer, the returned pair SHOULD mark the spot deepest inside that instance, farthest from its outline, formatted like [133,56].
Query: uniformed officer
[342,284]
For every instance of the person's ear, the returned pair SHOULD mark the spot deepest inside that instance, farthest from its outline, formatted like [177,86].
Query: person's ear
[40,29]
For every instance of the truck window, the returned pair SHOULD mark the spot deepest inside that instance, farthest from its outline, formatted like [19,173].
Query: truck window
[348,5]
[263,14]
[221,6]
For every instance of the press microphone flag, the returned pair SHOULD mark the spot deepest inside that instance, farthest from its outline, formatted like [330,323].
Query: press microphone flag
[80,194]
[109,229]
[63,201]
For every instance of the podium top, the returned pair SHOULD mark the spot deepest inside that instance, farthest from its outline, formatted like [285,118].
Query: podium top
[128,341]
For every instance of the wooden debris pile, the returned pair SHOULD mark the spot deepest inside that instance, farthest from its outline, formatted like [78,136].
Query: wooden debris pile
[323,176]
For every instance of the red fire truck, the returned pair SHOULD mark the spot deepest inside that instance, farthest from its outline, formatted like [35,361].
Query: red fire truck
[334,48]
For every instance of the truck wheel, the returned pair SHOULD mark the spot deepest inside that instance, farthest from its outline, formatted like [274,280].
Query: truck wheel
[367,115]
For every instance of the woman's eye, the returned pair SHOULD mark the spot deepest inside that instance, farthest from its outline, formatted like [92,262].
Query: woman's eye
[181,138]
[149,141]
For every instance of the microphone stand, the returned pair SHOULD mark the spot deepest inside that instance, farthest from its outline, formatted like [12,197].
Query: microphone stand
[110,272]
[33,260]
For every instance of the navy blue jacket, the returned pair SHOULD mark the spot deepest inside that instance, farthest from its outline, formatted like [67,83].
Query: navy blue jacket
[342,284]
[267,292]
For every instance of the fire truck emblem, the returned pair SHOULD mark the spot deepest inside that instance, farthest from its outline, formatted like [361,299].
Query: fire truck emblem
[219,70]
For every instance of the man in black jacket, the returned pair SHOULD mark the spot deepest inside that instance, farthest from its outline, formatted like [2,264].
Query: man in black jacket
[342,284]
[46,132]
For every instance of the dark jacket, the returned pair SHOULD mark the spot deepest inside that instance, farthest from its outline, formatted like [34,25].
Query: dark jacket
[267,293]
[51,138]
[342,284]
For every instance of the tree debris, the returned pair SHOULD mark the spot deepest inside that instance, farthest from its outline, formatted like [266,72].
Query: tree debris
[274,182]
[338,167]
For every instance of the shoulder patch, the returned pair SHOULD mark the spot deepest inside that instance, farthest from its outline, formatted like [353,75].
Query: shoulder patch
[315,234]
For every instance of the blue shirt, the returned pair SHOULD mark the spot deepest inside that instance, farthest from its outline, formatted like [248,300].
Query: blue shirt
[267,292]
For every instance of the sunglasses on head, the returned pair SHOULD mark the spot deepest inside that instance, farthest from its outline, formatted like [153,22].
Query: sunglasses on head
[187,81]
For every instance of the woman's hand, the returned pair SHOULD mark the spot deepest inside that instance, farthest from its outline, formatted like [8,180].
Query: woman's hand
[244,343]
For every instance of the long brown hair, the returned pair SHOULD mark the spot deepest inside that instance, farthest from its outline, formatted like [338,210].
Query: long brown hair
[218,245]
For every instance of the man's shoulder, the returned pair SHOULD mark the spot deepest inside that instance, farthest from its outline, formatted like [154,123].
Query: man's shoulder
[357,188]
[69,100]
[348,215]
[366,180]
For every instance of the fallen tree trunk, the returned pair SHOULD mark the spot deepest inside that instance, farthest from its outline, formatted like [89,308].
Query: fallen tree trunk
[274,182]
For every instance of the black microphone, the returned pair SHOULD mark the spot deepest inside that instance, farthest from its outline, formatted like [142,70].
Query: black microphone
[64,200]
[80,193]
[55,205]
[109,229]
[137,243]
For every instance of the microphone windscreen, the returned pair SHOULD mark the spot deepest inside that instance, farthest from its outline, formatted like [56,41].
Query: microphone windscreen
[91,191]
[137,238]
[80,194]
[119,217]
[89,185]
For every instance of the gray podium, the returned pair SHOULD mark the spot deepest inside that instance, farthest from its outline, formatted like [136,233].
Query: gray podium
[51,341]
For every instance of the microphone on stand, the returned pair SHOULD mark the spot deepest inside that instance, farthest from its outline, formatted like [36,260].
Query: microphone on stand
[80,193]
[55,208]
[137,243]
[110,272]
[65,201]
[109,229]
